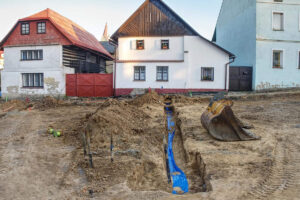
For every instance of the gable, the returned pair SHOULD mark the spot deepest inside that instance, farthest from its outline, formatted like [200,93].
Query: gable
[52,36]
[154,18]
[70,33]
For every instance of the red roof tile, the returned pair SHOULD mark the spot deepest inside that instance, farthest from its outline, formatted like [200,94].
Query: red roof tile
[75,33]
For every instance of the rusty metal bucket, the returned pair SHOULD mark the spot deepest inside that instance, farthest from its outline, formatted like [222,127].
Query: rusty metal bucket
[221,123]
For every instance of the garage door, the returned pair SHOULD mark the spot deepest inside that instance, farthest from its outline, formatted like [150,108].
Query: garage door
[240,78]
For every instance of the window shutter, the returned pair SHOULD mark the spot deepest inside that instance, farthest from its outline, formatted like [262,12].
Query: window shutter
[157,44]
[133,44]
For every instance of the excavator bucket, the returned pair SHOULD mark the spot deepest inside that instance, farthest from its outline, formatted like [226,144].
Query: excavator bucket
[222,124]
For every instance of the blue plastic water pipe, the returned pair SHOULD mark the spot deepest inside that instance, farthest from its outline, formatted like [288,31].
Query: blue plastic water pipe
[180,183]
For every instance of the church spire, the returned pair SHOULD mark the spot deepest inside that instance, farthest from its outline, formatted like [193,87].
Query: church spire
[105,36]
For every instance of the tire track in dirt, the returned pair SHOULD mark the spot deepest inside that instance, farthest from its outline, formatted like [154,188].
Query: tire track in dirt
[282,176]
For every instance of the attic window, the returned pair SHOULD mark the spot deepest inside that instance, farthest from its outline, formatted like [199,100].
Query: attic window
[140,45]
[165,44]
[25,29]
[41,27]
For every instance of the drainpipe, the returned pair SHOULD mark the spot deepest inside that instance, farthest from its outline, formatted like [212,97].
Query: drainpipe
[115,64]
[226,68]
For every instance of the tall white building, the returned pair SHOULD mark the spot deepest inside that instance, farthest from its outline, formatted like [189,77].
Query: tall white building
[265,37]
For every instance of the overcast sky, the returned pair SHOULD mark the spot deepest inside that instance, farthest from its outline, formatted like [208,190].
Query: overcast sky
[93,14]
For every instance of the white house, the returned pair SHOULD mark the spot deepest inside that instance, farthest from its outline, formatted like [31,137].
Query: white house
[157,49]
[41,49]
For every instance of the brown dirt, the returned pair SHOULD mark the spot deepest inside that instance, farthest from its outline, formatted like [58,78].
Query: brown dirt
[137,138]
[14,105]
[47,102]
[149,98]
[35,165]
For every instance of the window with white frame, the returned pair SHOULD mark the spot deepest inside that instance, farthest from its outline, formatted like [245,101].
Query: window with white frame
[278,21]
[32,55]
[277,59]
[33,80]
[162,73]
[207,73]
[139,73]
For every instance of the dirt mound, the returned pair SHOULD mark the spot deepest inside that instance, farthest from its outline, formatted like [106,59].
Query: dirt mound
[149,98]
[137,137]
[14,105]
[47,102]
[185,99]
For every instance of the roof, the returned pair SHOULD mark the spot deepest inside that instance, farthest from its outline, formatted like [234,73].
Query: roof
[77,35]
[108,46]
[164,8]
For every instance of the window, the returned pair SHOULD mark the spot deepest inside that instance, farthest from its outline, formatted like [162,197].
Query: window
[41,27]
[33,80]
[207,74]
[278,21]
[277,59]
[25,29]
[165,44]
[162,74]
[32,55]
[140,45]
[139,73]
[278,0]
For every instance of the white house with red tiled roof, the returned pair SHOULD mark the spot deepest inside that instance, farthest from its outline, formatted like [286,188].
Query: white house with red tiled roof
[41,49]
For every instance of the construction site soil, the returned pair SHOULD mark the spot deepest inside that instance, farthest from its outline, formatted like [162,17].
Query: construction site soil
[36,165]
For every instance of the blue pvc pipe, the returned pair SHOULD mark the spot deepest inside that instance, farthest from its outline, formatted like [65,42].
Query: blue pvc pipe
[178,177]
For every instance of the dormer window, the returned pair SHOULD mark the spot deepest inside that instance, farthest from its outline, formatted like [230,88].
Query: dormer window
[140,45]
[41,27]
[25,28]
[165,44]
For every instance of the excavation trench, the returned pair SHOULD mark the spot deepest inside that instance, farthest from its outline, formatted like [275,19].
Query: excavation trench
[137,134]
[190,163]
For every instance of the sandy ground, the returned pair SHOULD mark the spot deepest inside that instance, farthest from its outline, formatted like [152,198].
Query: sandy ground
[35,165]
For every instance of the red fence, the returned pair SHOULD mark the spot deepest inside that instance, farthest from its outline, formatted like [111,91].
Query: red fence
[89,85]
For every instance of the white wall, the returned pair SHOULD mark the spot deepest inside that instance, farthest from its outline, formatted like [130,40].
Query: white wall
[125,76]
[51,66]
[152,51]
[182,75]
[203,54]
